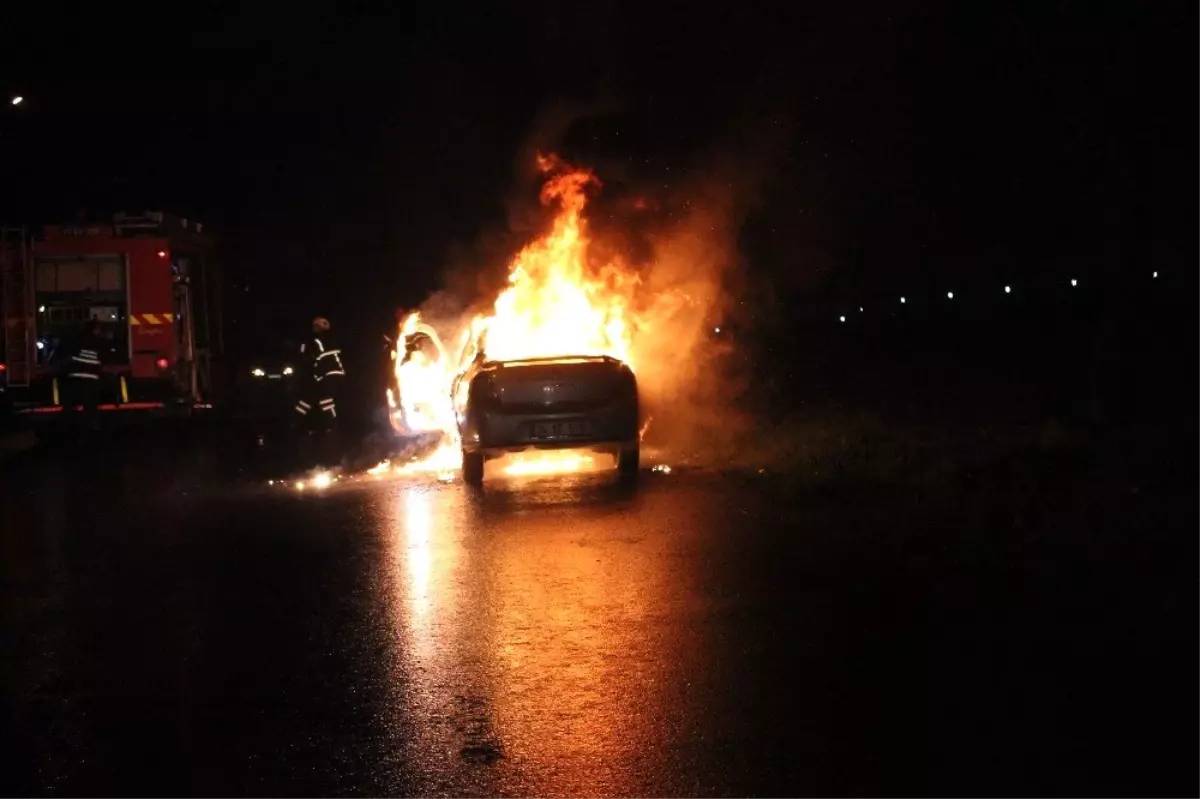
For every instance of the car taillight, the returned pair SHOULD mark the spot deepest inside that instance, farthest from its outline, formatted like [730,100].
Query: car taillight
[162,364]
[3,368]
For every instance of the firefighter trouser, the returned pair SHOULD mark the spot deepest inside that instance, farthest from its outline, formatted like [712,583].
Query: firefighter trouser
[317,409]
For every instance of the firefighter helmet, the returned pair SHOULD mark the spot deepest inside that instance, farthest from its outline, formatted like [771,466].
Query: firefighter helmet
[320,324]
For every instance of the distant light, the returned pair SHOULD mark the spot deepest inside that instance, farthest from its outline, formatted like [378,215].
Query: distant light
[41,345]
[322,480]
[860,309]
[42,308]
[1155,274]
[1008,289]
[162,253]
[18,100]
[716,330]
[949,295]
[287,370]
[1074,282]
[257,372]
[902,300]
[841,319]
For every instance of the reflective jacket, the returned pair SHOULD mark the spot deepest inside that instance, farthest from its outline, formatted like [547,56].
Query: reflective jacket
[323,360]
[85,363]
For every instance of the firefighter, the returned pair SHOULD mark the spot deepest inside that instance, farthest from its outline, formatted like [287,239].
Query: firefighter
[81,386]
[322,379]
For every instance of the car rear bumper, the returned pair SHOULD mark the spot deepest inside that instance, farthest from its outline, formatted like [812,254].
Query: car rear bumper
[495,431]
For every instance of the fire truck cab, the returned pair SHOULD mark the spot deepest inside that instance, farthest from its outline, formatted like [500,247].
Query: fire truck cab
[150,280]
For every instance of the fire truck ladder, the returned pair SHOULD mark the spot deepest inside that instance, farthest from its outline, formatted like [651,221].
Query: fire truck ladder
[16,291]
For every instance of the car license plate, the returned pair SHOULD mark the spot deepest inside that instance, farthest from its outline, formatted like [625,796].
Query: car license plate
[561,429]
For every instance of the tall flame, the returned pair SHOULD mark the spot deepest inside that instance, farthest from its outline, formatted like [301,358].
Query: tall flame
[558,301]
[423,379]
[554,303]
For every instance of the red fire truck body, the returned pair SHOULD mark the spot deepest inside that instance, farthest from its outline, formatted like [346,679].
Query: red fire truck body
[152,283]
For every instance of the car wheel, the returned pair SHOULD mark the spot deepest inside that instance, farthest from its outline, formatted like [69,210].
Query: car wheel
[627,462]
[472,468]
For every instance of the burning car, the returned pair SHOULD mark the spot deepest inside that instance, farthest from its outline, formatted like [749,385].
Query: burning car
[547,366]
[550,403]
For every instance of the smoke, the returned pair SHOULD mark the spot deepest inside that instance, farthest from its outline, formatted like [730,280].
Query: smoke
[693,283]
[689,382]
[475,273]
[682,244]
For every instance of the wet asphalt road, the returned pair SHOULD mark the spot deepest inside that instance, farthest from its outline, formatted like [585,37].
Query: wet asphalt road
[192,631]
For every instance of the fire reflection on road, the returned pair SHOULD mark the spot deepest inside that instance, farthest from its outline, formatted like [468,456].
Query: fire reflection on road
[422,547]
[418,521]
[526,641]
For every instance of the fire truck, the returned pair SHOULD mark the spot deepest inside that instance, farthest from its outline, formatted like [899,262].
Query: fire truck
[152,282]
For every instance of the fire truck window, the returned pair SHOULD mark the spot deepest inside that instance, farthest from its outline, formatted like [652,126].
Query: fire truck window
[104,313]
[77,276]
[70,315]
[46,276]
[110,276]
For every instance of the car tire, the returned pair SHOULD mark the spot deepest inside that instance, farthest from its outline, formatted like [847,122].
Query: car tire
[627,462]
[472,468]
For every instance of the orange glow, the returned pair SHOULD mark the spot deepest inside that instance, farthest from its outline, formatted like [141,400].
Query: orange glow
[557,302]
[544,463]
[560,656]
[444,461]
[424,379]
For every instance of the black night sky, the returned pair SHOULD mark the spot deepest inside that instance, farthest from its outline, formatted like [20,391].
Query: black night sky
[343,159]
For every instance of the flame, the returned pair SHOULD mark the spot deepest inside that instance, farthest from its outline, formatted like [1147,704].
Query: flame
[424,381]
[557,302]
[443,462]
[528,465]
